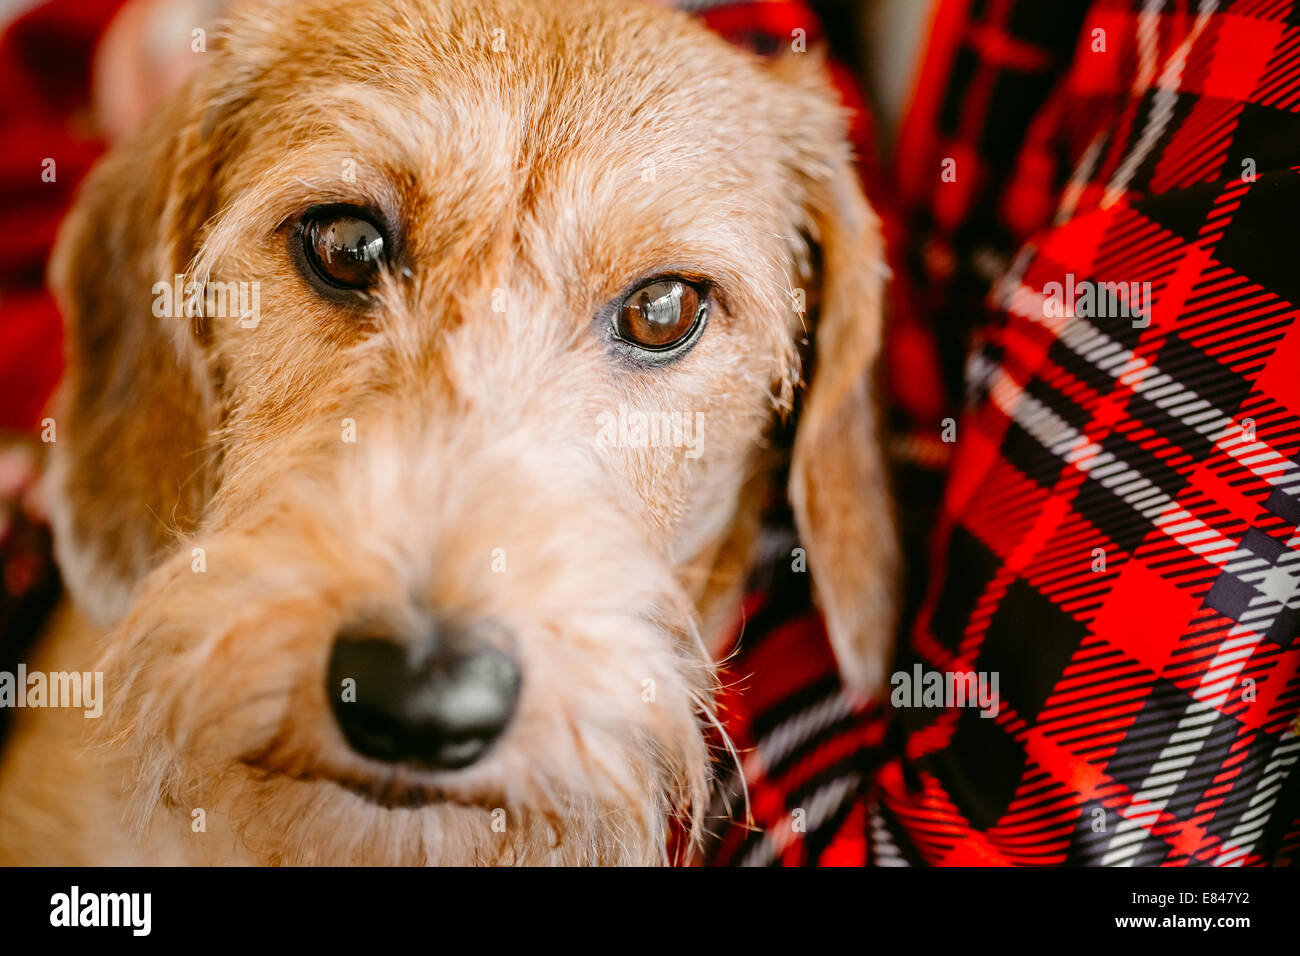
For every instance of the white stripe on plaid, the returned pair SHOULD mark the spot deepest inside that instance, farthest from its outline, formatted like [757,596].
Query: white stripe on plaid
[792,733]
[820,807]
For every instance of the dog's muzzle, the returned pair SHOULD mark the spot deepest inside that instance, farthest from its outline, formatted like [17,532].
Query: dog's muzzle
[438,701]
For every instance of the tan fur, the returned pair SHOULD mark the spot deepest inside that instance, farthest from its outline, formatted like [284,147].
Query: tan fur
[518,174]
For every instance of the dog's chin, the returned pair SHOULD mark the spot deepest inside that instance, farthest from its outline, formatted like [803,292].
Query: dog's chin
[283,806]
[300,801]
[268,816]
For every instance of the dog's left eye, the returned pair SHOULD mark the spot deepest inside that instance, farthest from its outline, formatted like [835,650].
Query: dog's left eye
[343,247]
[661,314]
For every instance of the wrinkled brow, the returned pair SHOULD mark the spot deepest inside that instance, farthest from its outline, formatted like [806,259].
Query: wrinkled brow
[411,129]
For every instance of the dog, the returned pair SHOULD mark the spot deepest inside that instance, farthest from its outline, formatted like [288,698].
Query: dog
[426,552]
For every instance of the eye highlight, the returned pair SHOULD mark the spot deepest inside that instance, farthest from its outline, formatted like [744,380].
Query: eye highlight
[662,315]
[343,247]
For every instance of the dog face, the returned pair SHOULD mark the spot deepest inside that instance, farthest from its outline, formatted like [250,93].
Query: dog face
[413,556]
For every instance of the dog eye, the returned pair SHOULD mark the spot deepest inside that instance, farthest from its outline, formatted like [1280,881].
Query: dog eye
[343,248]
[660,314]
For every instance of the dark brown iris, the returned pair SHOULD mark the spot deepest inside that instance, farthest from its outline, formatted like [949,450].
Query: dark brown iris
[659,314]
[346,250]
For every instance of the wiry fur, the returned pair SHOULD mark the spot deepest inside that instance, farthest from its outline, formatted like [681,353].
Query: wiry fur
[518,176]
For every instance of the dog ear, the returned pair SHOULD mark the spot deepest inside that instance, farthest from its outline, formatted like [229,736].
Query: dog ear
[135,409]
[838,484]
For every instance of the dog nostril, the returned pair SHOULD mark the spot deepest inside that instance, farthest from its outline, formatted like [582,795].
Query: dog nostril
[440,704]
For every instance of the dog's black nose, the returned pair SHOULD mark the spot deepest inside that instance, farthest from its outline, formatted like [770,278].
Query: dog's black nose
[440,702]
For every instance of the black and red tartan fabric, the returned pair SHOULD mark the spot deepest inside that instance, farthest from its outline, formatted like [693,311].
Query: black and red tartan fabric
[1118,538]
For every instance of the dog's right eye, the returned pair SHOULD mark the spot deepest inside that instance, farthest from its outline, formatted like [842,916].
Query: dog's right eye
[661,315]
[343,248]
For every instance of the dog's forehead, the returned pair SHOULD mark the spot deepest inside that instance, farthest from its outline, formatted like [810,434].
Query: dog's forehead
[516,77]
[596,133]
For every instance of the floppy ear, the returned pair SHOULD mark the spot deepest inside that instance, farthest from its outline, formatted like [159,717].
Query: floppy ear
[838,481]
[135,409]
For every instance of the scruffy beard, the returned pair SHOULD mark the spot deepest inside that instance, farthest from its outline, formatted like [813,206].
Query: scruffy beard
[219,710]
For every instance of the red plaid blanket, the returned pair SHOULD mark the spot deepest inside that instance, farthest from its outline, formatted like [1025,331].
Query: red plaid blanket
[1118,539]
